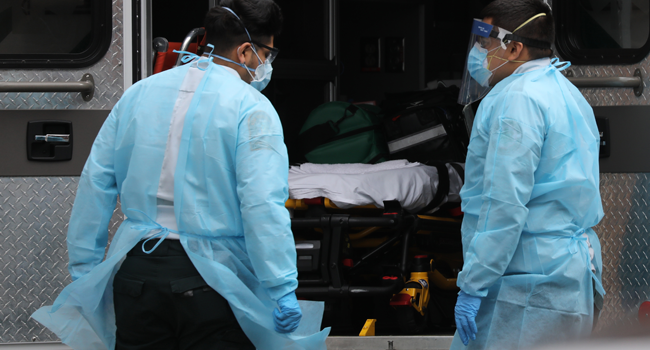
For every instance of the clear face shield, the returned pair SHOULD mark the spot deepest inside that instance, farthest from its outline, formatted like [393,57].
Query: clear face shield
[482,60]
[487,45]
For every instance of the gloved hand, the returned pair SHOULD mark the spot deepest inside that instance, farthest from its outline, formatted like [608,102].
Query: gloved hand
[286,319]
[466,309]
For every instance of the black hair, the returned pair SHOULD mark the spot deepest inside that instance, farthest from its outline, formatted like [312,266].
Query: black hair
[262,18]
[510,14]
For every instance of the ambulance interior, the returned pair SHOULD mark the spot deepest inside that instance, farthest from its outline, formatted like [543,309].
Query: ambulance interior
[388,264]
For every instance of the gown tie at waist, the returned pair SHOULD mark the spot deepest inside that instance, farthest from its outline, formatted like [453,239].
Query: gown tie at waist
[165,231]
[579,240]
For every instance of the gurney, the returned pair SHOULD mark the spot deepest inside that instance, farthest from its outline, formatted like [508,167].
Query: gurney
[388,233]
[417,187]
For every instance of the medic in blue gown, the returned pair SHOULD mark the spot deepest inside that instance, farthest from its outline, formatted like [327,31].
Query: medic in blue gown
[532,262]
[205,257]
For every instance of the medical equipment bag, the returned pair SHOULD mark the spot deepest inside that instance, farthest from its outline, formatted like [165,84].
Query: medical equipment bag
[341,132]
[426,126]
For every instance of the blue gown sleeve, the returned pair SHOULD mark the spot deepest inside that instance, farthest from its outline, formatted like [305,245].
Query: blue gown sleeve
[516,135]
[94,203]
[262,170]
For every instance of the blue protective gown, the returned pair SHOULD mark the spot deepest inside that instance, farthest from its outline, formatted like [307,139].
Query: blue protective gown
[531,193]
[229,192]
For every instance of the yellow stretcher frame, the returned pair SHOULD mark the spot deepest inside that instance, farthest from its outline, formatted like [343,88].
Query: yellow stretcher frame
[435,276]
[361,237]
[301,204]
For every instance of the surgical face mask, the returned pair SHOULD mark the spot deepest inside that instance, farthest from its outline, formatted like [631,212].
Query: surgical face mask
[263,71]
[261,84]
[488,45]
[477,65]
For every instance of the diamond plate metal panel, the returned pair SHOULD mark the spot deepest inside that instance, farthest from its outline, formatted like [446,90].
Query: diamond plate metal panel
[623,231]
[108,75]
[624,238]
[598,97]
[34,214]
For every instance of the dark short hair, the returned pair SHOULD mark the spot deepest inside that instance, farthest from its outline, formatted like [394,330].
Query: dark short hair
[262,18]
[510,14]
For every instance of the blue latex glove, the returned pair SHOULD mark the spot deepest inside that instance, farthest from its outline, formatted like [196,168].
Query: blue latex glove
[286,319]
[466,309]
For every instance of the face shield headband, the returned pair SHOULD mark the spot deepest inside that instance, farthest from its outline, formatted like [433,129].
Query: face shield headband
[484,43]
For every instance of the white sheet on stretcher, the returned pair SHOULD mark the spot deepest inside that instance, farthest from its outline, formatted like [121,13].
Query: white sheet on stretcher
[347,185]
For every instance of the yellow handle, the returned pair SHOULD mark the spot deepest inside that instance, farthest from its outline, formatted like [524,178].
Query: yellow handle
[368,329]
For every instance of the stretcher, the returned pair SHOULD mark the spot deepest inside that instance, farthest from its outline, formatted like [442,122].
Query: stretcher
[391,259]
[165,58]
[380,262]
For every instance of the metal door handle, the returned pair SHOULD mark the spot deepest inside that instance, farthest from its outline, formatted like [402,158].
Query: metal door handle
[86,86]
[53,138]
[635,82]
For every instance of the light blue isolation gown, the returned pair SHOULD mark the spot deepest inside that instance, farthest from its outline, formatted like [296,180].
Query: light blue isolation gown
[531,194]
[230,186]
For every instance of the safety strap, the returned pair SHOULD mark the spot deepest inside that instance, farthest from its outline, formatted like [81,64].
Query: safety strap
[443,187]
[459,170]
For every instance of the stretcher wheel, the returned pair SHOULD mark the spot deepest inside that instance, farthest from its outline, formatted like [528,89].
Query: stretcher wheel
[411,321]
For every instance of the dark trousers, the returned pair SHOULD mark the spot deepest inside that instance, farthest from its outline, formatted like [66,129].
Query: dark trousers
[598,306]
[161,302]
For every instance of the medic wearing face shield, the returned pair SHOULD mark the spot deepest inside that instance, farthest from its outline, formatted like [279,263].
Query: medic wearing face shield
[532,263]
[205,258]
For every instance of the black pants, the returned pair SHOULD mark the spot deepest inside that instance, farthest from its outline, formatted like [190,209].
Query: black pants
[598,306]
[161,302]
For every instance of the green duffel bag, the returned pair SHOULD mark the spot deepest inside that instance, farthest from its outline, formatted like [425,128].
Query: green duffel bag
[340,132]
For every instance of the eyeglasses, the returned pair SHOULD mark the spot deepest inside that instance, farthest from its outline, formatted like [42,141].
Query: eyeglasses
[488,43]
[484,42]
[273,51]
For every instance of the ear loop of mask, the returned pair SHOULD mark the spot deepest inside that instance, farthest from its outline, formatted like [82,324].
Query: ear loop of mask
[249,38]
[233,62]
[489,62]
[503,59]
[247,33]
[490,57]
[248,69]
